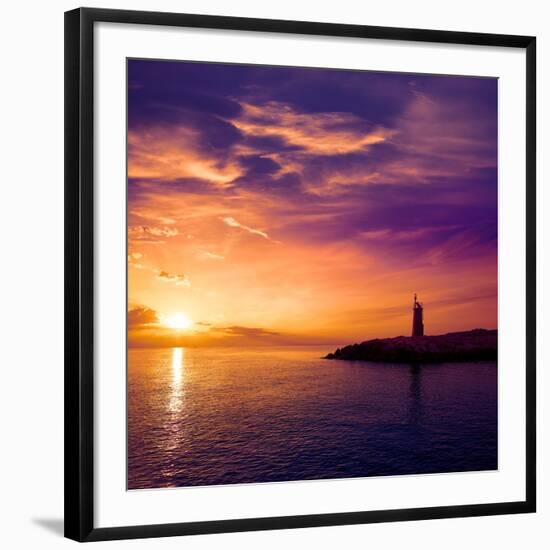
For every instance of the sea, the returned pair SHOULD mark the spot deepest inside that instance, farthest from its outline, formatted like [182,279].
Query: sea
[215,416]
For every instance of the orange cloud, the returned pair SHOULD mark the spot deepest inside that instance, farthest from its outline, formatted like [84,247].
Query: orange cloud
[142,316]
[178,280]
[318,133]
[172,153]
[154,231]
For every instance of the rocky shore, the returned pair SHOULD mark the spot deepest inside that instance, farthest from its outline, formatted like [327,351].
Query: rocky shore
[473,345]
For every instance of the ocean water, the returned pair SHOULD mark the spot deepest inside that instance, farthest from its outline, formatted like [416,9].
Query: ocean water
[225,416]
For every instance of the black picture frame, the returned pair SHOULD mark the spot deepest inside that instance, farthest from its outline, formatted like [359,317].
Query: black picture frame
[79,273]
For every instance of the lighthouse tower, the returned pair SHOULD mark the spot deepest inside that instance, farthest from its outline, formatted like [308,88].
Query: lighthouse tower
[418,318]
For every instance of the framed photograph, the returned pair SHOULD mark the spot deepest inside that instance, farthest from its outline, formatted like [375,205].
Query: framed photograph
[300,274]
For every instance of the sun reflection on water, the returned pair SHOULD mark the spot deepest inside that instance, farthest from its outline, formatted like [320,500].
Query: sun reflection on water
[176,390]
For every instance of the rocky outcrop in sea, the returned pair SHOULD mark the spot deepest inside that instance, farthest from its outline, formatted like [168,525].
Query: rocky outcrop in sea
[473,345]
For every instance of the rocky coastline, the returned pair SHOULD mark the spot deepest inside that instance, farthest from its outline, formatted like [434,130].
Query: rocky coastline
[473,345]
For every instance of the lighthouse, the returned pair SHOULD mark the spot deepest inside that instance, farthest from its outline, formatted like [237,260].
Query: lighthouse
[418,318]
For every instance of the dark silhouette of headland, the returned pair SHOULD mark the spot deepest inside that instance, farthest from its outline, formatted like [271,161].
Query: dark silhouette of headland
[473,345]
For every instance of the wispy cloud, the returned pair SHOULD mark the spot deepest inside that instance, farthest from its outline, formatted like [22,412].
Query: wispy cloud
[232,222]
[178,280]
[206,255]
[247,331]
[173,152]
[326,133]
[154,231]
[147,234]
[134,260]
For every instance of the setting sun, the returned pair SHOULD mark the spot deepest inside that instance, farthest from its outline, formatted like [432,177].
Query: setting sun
[178,321]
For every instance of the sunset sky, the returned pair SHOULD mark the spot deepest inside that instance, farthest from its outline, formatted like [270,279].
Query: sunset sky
[280,206]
